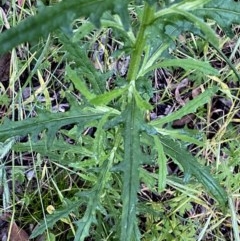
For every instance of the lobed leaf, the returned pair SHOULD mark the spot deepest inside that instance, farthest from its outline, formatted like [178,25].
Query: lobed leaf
[6,146]
[168,24]
[192,167]
[51,219]
[51,122]
[99,145]
[58,16]
[85,69]
[224,12]
[180,15]
[209,34]
[187,64]
[59,150]
[88,218]
[141,103]
[183,135]
[94,195]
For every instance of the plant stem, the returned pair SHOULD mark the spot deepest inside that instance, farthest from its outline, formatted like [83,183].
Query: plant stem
[148,14]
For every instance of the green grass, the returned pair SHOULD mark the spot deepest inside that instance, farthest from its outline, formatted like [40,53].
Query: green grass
[124,130]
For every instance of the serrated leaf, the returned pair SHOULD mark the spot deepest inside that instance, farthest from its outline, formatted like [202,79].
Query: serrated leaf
[88,219]
[84,224]
[93,204]
[192,167]
[132,160]
[183,135]
[224,12]
[61,15]
[59,149]
[180,17]
[6,146]
[168,25]
[51,122]
[190,107]
[187,64]
[85,70]
[51,219]
[98,145]
[209,34]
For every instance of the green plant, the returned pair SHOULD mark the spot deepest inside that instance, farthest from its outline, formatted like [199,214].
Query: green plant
[125,138]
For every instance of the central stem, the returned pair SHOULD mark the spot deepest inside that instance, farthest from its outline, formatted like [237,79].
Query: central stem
[135,61]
